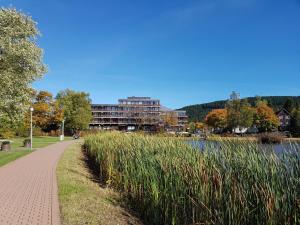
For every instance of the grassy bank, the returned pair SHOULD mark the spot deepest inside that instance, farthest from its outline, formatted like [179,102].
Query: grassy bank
[6,157]
[170,182]
[17,149]
[82,200]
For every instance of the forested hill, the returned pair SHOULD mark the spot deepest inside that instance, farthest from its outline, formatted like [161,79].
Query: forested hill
[199,111]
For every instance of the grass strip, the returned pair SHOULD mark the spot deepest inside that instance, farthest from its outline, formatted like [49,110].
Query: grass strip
[82,200]
[6,157]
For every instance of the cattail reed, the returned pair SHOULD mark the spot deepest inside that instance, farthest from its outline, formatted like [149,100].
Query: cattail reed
[168,181]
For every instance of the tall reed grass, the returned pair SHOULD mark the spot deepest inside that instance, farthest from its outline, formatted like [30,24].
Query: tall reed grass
[170,182]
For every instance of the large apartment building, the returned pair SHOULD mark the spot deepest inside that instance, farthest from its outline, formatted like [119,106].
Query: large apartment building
[131,113]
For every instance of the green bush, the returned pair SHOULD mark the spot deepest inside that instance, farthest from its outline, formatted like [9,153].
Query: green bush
[169,182]
[22,131]
[6,133]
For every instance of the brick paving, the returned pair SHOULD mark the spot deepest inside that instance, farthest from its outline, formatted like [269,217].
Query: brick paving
[28,188]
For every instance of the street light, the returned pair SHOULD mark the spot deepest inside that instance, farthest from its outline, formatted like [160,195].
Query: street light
[62,130]
[31,110]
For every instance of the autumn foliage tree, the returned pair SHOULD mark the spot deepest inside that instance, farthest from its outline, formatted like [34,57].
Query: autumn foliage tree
[265,118]
[46,115]
[217,118]
[200,126]
[170,118]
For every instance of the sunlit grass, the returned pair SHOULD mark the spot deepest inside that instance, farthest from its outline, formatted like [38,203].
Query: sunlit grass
[82,200]
[38,142]
[171,182]
[6,157]
[17,149]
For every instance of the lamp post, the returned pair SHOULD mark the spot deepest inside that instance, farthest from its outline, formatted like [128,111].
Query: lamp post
[31,110]
[62,130]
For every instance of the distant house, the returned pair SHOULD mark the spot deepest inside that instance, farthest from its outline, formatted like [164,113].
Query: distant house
[235,96]
[284,118]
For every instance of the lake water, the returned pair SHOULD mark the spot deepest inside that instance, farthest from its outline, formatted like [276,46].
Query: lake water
[277,148]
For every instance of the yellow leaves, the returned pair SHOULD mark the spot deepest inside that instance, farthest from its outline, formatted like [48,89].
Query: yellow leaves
[200,126]
[44,96]
[217,118]
[47,114]
[170,118]
[265,116]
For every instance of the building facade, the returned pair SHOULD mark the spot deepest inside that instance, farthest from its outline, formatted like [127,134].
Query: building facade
[132,113]
[173,120]
[234,96]
[284,119]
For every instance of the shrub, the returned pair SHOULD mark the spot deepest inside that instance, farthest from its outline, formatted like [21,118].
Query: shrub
[54,133]
[22,131]
[38,132]
[170,182]
[270,138]
[89,132]
[7,133]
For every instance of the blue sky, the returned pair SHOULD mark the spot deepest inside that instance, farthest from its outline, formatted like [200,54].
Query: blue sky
[181,51]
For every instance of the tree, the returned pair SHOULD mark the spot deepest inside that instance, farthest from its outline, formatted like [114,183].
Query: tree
[200,126]
[295,123]
[192,127]
[47,114]
[77,109]
[20,64]
[247,116]
[265,118]
[240,114]
[297,107]
[199,111]
[289,105]
[217,118]
[170,118]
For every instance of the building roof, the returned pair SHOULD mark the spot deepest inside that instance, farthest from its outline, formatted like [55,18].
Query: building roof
[104,105]
[138,99]
[283,110]
[134,97]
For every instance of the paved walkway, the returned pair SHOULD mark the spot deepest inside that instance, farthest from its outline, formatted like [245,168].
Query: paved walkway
[28,188]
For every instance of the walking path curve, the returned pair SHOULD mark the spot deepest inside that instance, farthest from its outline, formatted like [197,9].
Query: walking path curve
[28,188]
